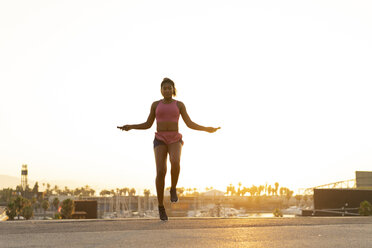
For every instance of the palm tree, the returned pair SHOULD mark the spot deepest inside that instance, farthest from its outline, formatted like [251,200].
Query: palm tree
[56,189]
[35,189]
[55,203]
[45,205]
[28,211]
[132,191]
[253,190]
[49,192]
[260,189]
[67,208]
[11,211]
[65,191]
[227,190]
[289,194]
[146,193]
[276,188]
[77,192]
[266,188]
[245,191]
[121,192]
[269,190]
[188,190]
[19,204]
[33,202]
[231,190]
[239,191]
[87,191]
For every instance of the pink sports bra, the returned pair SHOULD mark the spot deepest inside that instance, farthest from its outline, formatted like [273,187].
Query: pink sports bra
[167,112]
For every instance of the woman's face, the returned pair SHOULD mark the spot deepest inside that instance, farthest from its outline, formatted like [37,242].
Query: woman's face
[167,90]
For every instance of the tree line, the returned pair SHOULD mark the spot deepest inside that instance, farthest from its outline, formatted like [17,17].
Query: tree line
[269,190]
[24,202]
[87,191]
[20,206]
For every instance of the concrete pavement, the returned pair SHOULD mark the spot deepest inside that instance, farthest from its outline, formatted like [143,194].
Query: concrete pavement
[191,232]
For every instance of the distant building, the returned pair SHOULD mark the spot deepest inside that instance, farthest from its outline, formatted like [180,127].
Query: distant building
[363,179]
[213,192]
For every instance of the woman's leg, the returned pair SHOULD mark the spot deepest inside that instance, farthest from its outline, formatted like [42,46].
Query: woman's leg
[161,170]
[175,157]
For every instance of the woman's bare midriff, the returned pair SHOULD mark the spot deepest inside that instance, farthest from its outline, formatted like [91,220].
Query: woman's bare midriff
[167,126]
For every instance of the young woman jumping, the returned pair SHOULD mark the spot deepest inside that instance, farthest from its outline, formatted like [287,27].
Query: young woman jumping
[167,139]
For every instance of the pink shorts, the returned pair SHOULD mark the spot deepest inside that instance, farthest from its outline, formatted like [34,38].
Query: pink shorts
[167,138]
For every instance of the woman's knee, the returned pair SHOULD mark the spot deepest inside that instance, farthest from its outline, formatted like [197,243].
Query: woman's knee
[175,164]
[161,172]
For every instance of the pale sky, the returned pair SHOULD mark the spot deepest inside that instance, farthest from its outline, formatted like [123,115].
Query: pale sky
[289,82]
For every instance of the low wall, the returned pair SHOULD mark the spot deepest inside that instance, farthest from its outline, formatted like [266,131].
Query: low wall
[338,198]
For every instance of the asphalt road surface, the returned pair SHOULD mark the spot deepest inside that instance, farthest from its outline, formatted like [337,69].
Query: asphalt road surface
[319,232]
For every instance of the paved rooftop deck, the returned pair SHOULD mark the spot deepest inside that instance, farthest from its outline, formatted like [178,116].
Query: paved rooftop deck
[191,232]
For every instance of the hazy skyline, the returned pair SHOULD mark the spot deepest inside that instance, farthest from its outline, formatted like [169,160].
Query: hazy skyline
[289,82]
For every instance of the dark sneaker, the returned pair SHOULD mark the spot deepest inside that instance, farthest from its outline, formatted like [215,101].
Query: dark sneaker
[173,195]
[162,213]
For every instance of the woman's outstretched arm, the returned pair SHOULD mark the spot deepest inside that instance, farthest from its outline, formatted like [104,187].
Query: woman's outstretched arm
[145,125]
[189,123]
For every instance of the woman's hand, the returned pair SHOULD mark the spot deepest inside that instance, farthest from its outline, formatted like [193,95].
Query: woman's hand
[125,128]
[211,129]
